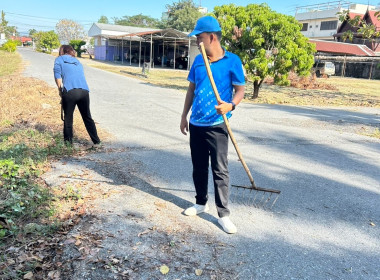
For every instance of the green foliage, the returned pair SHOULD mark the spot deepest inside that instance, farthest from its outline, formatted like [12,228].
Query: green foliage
[360,27]
[5,28]
[268,43]
[139,20]
[32,31]
[103,19]
[46,41]
[10,46]
[3,23]
[21,197]
[182,15]
[77,44]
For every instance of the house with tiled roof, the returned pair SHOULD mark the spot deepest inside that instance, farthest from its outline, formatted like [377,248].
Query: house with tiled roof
[321,21]
[369,18]
[23,39]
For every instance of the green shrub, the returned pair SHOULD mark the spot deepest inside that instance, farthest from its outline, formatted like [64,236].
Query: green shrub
[22,196]
[9,46]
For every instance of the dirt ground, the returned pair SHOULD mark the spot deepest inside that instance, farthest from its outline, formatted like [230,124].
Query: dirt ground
[112,243]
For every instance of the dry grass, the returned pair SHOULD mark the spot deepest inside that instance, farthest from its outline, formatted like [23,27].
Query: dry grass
[334,91]
[33,103]
[176,79]
[9,63]
[272,94]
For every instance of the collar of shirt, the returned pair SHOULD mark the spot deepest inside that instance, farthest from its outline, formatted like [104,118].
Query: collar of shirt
[225,54]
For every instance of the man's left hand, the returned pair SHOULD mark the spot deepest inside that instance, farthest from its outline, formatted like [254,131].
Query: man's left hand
[223,107]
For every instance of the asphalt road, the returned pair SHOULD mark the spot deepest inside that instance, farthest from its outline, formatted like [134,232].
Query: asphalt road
[329,175]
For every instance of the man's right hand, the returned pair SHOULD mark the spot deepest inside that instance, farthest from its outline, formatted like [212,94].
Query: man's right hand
[184,126]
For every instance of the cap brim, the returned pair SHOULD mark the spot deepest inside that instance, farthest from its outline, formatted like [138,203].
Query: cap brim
[195,32]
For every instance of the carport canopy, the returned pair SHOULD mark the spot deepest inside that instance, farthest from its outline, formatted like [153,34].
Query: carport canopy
[169,35]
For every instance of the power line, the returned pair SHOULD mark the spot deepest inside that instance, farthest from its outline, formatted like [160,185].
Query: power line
[45,18]
[27,24]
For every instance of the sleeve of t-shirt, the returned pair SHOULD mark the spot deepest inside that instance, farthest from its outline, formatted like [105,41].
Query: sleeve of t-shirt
[238,78]
[191,76]
[57,69]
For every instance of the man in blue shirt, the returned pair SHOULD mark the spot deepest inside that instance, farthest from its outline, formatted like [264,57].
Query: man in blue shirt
[208,132]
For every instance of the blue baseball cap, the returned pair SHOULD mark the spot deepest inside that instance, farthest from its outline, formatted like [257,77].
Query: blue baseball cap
[206,24]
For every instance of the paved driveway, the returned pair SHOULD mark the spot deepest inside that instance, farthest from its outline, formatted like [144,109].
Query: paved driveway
[329,175]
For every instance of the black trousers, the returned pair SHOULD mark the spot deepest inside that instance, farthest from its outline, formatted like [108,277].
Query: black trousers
[70,99]
[207,143]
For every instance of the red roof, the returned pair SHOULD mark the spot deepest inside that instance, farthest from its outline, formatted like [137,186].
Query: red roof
[374,19]
[342,48]
[353,15]
[22,39]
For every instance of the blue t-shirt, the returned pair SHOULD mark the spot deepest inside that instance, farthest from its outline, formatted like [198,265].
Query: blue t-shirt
[227,72]
[69,69]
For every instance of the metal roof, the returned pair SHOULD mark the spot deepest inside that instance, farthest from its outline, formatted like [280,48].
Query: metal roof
[168,33]
[342,48]
[122,28]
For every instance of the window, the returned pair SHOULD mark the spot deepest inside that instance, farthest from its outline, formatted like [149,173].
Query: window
[329,25]
[304,26]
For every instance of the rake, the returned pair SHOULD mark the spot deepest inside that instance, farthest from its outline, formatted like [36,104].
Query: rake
[258,197]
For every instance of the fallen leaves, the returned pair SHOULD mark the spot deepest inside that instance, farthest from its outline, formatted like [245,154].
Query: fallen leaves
[28,276]
[147,231]
[164,269]
[198,272]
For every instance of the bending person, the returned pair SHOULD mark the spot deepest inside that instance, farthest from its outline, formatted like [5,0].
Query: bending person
[73,88]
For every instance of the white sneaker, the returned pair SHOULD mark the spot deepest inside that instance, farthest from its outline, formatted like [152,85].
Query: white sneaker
[196,209]
[227,225]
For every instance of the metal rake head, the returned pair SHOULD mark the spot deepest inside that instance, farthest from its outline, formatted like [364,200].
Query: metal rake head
[253,196]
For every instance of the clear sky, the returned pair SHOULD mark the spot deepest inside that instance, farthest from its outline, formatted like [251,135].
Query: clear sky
[43,15]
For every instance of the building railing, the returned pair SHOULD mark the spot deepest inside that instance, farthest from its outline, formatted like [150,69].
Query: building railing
[324,6]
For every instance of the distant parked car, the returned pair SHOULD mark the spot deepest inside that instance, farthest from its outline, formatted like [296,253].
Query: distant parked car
[135,58]
[181,62]
[326,68]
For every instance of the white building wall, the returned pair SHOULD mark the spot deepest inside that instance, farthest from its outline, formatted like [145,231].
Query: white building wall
[314,17]
[193,52]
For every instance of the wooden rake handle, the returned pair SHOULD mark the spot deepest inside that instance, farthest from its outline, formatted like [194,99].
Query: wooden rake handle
[209,73]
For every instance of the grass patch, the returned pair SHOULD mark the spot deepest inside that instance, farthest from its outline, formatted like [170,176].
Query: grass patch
[372,132]
[334,91]
[175,79]
[10,62]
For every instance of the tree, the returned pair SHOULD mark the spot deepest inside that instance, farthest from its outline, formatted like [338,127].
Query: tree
[139,20]
[46,41]
[103,19]
[182,15]
[77,44]
[3,23]
[268,43]
[32,31]
[4,28]
[68,30]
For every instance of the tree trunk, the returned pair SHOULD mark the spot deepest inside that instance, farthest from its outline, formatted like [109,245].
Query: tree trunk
[256,88]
